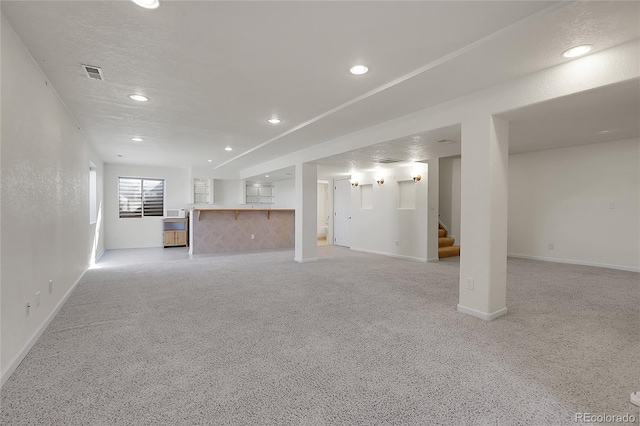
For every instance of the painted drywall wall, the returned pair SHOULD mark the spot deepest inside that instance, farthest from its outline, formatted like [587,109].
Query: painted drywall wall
[379,221]
[284,194]
[228,195]
[145,231]
[323,209]
[96,230]
[584,200]
[449,202]
[46,234]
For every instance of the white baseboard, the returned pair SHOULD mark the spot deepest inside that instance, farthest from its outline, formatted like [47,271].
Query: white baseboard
[574,262]
[314,259]
[397,256]
[482,315]
[435,259]
[99,255]
[15,362]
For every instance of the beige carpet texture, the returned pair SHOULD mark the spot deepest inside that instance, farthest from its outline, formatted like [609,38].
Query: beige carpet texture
[354,339]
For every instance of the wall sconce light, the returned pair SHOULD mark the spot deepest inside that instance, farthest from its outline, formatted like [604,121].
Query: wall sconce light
[354,184]
[380,181]
[417,178]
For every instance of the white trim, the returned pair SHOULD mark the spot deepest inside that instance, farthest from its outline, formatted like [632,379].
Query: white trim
[15,362]
[397,256]
[482,315]
[575,262]
[314,259]
[433,260]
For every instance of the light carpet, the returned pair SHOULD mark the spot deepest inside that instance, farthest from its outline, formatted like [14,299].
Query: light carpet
[352,339]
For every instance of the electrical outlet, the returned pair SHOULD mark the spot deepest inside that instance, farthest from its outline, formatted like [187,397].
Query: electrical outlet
[37,299]
[397,243]
[253,237]
[470,283]
[551,246]
[50,286]
[612,206]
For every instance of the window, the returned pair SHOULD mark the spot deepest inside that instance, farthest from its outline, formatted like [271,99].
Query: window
[141,197]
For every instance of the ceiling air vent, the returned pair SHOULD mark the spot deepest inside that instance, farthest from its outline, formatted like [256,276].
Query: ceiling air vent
[386,161]
[93,72]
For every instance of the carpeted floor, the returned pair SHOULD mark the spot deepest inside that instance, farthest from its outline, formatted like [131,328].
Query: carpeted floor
[352,339]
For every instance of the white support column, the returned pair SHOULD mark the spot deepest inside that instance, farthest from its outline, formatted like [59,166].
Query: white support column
[306,213]
[483,262]
[433,197]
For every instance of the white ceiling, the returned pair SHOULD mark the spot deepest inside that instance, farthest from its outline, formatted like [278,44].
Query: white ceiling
[215,71]
[604,114]
[409,149]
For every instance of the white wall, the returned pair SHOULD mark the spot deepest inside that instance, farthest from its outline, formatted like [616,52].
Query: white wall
[284,192]
[46,233]
[564,197]
[145,231]
[227,194]
[323,214]
[96,230]
[449,202]
[377,229]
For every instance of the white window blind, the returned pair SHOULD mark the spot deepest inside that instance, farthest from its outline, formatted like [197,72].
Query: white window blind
[141,197]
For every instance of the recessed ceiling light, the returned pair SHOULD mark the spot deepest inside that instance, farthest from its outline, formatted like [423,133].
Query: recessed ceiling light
[577,51]
[147,4]
[358,69]
[211,161]
[139,98]
[228,148]
[274,121]
[266,175]
[137,139]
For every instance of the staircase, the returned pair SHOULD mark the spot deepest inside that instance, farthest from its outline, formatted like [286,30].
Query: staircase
[445,244]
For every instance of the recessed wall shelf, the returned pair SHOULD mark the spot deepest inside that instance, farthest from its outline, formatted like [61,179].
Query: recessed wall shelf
[261,193]
[201,191]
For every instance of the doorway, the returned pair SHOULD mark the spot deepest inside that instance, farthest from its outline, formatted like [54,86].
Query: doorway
[323,216]
[342,212]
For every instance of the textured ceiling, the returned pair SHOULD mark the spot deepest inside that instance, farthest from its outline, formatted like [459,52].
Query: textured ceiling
[604,114]
[215,71]
[408,149]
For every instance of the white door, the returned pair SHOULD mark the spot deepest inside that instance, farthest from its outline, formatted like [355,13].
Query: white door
[341,212]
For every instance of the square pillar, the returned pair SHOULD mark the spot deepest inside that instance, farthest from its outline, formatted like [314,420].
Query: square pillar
[483,261]
[306,213]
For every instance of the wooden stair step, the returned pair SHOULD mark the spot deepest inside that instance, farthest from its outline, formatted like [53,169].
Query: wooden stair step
[445,241]
[442,233]
[450,251]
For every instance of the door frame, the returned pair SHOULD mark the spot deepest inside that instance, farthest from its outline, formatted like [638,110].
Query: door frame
[333,239]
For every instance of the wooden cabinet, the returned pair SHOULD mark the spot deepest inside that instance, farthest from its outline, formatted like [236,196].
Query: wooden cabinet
[176,232]
[181,238]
